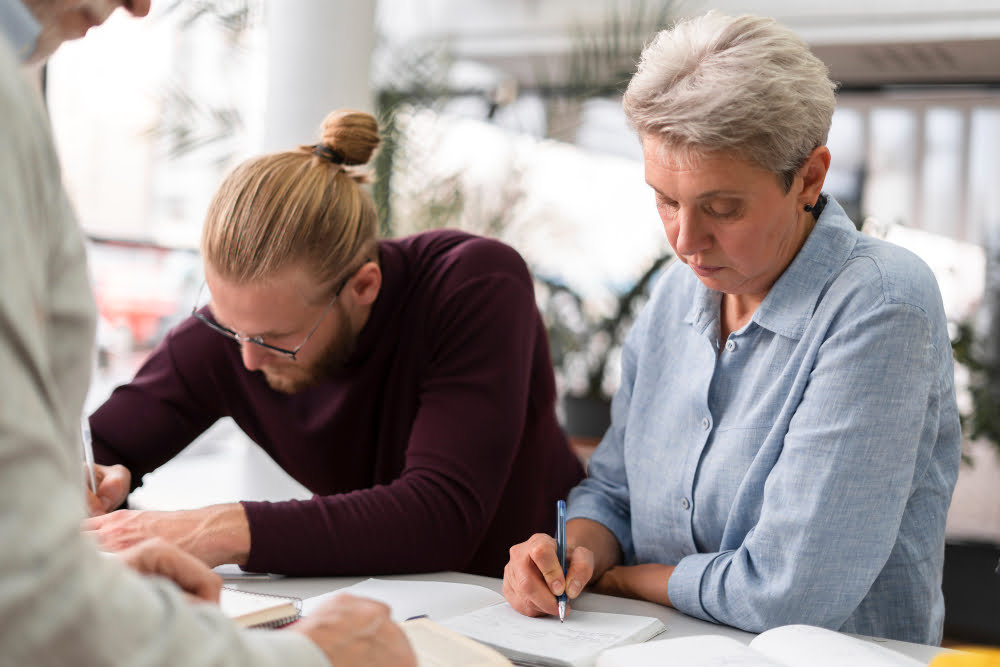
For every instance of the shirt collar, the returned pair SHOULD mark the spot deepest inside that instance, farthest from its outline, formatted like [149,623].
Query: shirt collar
[789,305]
[20,27]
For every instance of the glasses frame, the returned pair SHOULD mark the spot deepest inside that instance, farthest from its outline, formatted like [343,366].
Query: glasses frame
[257,340]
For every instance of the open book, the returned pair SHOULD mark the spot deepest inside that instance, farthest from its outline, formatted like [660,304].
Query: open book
[484,615]
[258,610]
[785,646]
[437,646]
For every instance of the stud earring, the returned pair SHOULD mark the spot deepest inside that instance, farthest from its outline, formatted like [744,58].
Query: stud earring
[808,208]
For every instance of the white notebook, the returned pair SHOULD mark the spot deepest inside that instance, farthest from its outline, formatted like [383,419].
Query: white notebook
[484,615]
[785,646]
[258,610]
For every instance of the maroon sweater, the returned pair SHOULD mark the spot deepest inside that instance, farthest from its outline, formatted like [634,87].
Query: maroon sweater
[435,448]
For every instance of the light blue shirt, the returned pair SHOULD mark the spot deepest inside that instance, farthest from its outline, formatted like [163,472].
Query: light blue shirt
[803,474]
[19,26]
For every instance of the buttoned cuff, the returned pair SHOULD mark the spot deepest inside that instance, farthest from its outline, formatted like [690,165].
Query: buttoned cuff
[684,587]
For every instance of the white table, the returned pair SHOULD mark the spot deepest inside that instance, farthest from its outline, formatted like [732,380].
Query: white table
[677,624]
[227,468]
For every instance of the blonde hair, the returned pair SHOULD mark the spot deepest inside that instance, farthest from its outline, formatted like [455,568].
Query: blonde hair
[744,85]
[304,207]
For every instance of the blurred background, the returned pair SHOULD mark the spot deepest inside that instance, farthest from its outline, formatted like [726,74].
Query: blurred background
[503,117]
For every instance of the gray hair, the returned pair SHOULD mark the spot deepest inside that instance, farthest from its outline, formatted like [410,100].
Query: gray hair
[745,85]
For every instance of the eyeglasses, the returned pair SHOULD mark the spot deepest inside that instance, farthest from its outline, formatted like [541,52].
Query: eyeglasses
[257,340]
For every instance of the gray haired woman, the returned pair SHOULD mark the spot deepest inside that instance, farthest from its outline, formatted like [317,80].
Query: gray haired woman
[785,441]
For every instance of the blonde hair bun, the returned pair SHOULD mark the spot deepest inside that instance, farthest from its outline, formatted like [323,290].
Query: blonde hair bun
[353,134]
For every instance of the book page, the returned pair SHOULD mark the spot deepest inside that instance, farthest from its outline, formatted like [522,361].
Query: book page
[795,645]
[437,646]
[546,641]
[435,599]
[695,651]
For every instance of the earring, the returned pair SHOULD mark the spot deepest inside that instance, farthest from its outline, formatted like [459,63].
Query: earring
[808,208]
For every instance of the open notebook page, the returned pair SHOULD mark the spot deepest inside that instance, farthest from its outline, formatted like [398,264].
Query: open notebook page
[546,641]
[434,599]
[480,613]
[799,644]
[785,646]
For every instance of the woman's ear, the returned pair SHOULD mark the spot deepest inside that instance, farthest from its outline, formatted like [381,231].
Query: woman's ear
[813,174]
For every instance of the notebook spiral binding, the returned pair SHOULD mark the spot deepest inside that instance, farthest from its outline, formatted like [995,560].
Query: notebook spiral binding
[278,622]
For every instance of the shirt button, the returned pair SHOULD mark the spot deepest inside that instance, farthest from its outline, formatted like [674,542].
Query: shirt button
[705,423]
[730,345]
[685,503]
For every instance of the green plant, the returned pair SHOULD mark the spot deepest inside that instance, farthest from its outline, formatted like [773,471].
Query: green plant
[188,121]
[584,342]
[981,420]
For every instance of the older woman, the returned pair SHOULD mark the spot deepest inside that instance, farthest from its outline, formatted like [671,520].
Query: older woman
[785,440]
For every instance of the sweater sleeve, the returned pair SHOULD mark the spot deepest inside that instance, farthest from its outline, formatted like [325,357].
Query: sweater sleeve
[174,411]
[461,448]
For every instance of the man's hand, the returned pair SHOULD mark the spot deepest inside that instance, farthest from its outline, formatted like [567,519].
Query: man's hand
[112,488]
[216,534]
[154,556]
[357,632]
[641,582]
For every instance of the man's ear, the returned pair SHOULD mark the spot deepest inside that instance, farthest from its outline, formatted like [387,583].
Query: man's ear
[813,174]
[365,284]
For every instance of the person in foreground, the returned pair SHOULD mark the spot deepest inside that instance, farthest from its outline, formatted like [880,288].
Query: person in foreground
[785,440]
[61,601]
[406,382]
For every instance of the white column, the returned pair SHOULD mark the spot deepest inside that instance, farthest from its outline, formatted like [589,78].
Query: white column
[318,59]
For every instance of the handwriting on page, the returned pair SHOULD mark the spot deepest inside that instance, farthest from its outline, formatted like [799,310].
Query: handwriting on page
[583,633]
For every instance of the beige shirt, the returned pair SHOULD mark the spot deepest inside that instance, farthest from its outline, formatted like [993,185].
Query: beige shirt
[61,602]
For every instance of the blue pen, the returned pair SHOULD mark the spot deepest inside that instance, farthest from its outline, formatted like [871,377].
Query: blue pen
[561,549]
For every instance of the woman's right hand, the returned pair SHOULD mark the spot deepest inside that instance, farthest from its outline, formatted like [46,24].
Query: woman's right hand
[533,577]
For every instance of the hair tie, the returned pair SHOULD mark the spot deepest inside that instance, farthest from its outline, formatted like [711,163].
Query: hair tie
[329,154]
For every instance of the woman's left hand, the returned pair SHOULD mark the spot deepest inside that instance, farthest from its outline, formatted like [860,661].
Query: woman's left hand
[641,582]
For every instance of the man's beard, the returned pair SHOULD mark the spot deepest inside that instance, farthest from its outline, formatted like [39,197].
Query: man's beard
[291,378]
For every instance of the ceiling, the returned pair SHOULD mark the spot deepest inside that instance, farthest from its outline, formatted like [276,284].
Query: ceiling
[927,62]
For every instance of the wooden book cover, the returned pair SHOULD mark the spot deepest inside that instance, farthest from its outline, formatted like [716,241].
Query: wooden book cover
[437,646]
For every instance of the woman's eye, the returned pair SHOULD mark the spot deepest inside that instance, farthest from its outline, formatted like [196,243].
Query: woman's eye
[724,210]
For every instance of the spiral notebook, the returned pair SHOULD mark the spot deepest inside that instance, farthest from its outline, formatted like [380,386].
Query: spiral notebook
[258,610]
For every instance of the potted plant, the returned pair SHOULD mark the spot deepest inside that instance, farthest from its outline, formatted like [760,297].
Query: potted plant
[586,348]
[971,578]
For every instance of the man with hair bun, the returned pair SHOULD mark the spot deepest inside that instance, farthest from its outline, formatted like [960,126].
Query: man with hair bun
[785,441]
[406,382]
